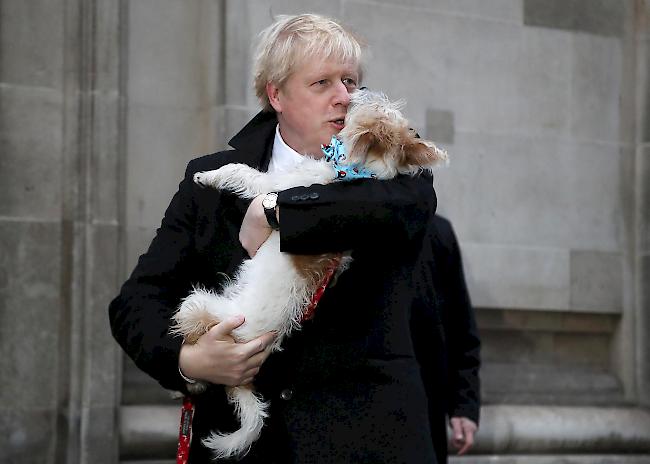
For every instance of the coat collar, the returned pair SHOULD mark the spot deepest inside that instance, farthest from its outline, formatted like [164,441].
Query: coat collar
[255,140]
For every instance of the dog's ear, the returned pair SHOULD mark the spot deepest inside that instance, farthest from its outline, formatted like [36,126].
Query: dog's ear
[423,153]
[361,144]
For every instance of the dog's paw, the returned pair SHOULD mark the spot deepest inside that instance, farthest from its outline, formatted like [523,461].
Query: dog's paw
[200,178]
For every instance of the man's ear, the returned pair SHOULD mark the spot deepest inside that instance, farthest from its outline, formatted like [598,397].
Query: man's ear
[273,93]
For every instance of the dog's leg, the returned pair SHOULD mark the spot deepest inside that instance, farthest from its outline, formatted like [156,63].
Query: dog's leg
[238,178]
[193,318]
[249,183]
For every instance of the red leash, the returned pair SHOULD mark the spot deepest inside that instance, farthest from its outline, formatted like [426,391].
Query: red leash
[329,273]
[185,431]
[187,410]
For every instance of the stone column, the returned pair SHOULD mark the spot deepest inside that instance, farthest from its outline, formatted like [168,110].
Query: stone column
[61,145]
[92,187]
[642,200]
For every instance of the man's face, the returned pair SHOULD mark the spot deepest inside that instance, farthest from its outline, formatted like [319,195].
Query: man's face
[312,104]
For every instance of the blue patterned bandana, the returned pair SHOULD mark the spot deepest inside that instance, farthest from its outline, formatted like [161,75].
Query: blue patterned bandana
[335,154]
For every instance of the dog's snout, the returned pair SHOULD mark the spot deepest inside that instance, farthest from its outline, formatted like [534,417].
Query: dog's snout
[198,179]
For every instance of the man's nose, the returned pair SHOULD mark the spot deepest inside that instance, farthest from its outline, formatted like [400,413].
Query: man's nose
[342,96]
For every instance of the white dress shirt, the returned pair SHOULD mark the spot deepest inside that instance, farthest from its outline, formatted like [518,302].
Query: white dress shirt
[283,157]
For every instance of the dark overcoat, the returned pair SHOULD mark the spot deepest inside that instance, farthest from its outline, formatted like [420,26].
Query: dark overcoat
[347,387]
[445,335]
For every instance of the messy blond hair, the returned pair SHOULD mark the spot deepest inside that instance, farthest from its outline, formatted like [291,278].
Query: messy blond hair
[286,43]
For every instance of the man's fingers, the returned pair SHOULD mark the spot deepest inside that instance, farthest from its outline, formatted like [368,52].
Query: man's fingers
[463,431]
[225,327]
[456,429]
[258,344]
[464,449]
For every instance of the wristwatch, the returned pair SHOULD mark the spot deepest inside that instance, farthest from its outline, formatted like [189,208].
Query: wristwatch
[269,203]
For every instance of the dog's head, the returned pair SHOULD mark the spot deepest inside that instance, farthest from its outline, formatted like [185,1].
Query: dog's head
[377,135]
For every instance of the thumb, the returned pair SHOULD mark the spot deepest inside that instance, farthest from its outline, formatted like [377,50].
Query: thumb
[224,328]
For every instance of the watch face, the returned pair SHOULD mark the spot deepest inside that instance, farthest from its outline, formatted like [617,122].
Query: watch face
[270,200]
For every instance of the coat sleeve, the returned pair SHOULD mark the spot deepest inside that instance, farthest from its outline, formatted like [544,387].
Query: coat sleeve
[462,338]
[352,215]
[140,314]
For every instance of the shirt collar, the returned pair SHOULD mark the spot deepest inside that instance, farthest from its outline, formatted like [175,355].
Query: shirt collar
[283,157]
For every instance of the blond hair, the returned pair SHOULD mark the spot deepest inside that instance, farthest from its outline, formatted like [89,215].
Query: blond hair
[290,40]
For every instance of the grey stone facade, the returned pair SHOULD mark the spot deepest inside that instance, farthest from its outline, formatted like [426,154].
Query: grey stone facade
[542,105]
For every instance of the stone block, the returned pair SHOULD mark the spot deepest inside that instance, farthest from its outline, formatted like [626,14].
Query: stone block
[99,442]
[160,144]
[104,161]
[440,126]
[560,458]
[240,32]
[101,358]
[596,88]
[173,53]
[517,277]
[584,350]
[548,384]
[596,281]
[110,45]
[643,184]
[531,348]
[569,430]
[502,78]
[29,364]
[32,43]
[28,434]
[148,431]
[30,305]
[533,192]
[495,10]
[603,17]
[643,329]
[31,126]
[546,321]
[643,45]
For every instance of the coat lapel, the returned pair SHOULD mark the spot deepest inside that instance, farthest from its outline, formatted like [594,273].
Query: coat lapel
[255,141]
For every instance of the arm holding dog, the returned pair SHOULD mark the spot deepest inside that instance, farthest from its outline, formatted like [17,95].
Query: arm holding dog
[343,216]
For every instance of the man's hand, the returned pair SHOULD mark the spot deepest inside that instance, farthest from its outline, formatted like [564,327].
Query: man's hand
[463,430]
[255,228]
[218,359]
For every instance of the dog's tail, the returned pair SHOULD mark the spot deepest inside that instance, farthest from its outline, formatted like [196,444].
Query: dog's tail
[251,411]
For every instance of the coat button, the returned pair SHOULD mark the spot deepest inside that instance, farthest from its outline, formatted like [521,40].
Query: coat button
[286,394]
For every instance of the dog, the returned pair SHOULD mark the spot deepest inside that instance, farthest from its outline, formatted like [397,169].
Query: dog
[377,142]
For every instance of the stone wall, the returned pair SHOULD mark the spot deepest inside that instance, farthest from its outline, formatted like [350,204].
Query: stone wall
[61,174]
[542,106]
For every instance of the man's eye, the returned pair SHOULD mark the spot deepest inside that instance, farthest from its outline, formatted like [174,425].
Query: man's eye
[350,83]
[321,82]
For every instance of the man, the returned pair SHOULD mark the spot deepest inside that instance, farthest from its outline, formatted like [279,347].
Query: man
[347,387]
[446,340]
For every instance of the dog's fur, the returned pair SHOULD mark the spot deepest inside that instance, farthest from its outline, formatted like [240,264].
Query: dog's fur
[272,289]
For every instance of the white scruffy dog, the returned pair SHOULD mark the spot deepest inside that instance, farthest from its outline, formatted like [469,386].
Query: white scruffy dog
[376,137]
